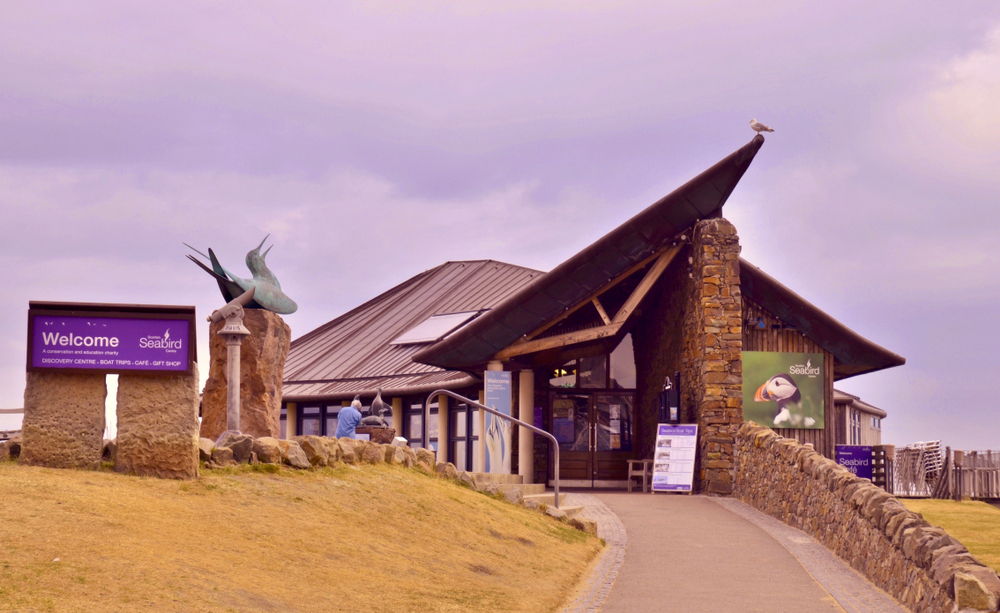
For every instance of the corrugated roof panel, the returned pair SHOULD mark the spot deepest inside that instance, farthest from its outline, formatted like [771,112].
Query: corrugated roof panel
[352,353]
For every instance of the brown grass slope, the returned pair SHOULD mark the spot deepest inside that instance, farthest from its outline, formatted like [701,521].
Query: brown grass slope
[353,538]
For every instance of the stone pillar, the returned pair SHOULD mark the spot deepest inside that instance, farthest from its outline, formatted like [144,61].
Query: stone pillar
[262,366]
[291,420]
[714,368]
[442,451]
[158,425]
[63,424]
[526,438]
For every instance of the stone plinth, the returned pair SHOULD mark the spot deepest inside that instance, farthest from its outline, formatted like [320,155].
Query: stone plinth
[158,425]
[63,420]
[382,436]
[262,366]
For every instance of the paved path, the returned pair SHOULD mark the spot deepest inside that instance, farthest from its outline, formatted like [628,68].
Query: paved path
[684,553]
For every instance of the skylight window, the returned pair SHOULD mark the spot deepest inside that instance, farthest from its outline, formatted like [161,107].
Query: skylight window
[434,328]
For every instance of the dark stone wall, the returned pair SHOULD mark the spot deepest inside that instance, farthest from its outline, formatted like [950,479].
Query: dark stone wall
[658,343]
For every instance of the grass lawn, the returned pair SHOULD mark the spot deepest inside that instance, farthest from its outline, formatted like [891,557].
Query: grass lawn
[974,524]
[350,538]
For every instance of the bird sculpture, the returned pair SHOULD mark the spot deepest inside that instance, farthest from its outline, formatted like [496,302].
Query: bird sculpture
[758,127]
[782,389]
[378,411]
[268,294]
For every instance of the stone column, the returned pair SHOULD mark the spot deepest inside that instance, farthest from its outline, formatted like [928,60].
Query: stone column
[526,438]
[262,367]
[291,420]
[397,415]
[63,423]
[158,425]
[714,372]
[442,452]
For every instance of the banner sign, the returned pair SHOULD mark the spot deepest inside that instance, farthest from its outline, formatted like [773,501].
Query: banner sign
[90,338]
[497,395]
[784,390]
[857,459]
[673,458]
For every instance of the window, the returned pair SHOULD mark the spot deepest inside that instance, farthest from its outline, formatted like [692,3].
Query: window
[623,365]
[563,377]
[855,427]
[284,422]
[876,423]
[413,425]
[463,436]
[434,328]
[593,372]
[311,421]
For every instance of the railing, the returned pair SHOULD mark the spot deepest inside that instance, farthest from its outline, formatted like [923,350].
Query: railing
[473,403]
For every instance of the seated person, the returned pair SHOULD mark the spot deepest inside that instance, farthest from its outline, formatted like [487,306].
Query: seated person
[349,418]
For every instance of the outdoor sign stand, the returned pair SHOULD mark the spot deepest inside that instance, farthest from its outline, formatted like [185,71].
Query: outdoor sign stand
[673,458]
[233,331]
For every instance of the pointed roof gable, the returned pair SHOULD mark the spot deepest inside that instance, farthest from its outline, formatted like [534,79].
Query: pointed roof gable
[549,295]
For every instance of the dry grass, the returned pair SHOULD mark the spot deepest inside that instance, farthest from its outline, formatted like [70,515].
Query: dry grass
[372,538]
[974,524]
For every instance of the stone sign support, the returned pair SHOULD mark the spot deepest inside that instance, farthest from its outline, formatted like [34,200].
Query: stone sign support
[158,425]
[63,419]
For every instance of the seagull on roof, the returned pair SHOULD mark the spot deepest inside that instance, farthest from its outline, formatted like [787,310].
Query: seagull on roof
[758,127]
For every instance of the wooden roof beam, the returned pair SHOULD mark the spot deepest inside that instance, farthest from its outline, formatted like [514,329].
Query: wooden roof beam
[652,276]
[588,300]
[560,340]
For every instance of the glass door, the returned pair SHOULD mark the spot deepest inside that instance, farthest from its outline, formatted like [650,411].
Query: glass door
[595,437]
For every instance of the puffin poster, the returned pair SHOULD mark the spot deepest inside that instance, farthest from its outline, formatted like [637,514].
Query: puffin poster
[783,390]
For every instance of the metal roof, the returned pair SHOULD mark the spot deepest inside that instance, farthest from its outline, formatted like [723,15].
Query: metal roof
[840,397]
[353,353]
[549,295]
[854,353]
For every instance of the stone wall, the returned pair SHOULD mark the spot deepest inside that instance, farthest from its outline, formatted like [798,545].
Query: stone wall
[63,419]
[693,323]
[262,367]
[158,425]
[915,562]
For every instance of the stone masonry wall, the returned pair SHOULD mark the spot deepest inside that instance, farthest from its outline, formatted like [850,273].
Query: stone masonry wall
[917,563]
[63,419]
[262,367]
[158,425]
[713,338]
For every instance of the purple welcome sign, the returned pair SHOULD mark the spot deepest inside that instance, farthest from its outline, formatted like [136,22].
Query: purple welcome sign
[110,338]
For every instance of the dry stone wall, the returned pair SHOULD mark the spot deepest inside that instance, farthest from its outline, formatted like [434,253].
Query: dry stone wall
[917,563]
[63,419]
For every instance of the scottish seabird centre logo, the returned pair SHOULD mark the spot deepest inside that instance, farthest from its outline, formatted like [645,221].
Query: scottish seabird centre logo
[161,342]
[804,369]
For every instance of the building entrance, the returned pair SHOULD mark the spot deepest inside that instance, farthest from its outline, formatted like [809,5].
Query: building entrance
[595,432]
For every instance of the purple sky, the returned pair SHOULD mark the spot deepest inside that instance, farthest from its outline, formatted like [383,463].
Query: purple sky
[374,141]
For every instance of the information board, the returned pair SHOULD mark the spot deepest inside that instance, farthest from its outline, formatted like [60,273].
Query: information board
[95,338]
[857,459]
[673,457]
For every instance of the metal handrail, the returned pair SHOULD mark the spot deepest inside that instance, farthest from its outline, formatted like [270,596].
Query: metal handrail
[495,412]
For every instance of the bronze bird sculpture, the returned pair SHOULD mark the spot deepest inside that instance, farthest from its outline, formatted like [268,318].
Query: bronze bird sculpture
[267,294]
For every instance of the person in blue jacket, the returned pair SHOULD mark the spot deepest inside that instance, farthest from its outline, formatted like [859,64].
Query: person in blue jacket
[349,418]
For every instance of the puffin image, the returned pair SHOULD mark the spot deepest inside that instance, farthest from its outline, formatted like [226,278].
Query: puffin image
[782,389]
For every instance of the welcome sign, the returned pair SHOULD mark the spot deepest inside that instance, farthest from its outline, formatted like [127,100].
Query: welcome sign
[110,338]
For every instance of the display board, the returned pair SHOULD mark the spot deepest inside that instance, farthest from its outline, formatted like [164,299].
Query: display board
[673,457]
[857,459]
[110,338]
[497,389]
[784,390]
